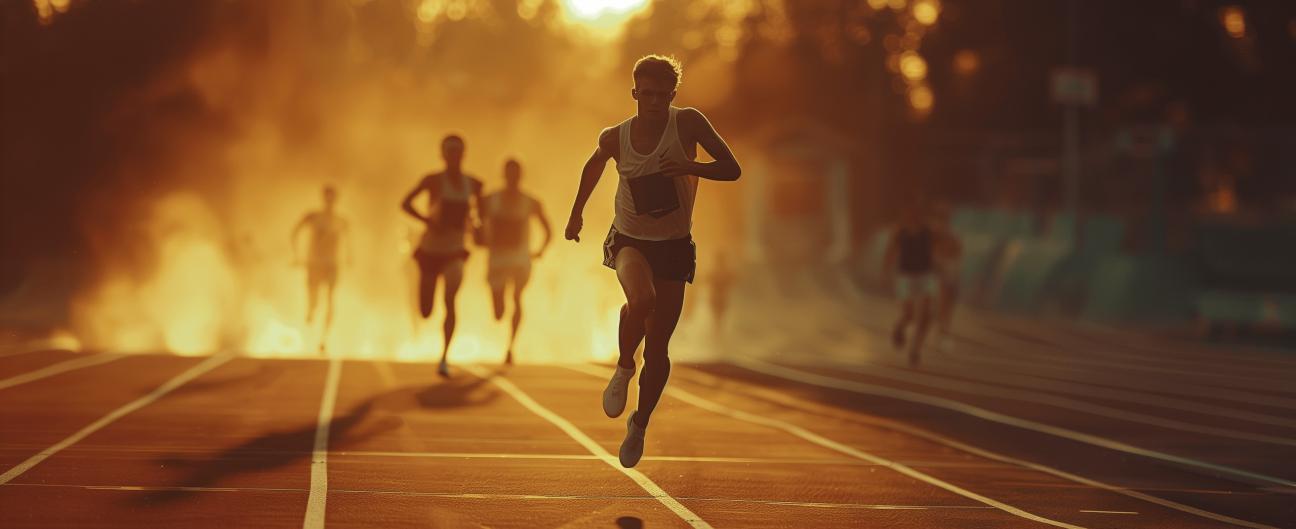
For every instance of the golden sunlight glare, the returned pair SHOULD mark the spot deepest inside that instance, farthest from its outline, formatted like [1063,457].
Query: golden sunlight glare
[606,16]
[912,66]
[926,11]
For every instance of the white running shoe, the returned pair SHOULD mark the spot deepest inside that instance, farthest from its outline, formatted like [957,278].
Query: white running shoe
[633,445]
[614,397]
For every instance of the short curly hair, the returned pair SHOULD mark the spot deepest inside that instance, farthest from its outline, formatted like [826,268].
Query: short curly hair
[662,67]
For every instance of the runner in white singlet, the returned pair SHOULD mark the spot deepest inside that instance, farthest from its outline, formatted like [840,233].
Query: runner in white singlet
[506,217]
[650,244]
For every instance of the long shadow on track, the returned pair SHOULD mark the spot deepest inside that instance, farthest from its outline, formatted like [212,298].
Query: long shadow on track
[280,448]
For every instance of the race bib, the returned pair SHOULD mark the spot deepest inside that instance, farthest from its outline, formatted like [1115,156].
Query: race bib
[654,194]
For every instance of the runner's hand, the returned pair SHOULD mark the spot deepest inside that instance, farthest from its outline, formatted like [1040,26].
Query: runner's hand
[672,168]
[574,228]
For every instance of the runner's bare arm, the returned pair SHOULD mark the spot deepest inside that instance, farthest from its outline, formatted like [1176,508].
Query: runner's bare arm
[590,175]
[695,127]
[408,204]
[539,214]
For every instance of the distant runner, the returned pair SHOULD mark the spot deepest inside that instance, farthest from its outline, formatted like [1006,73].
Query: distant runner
[326,230]
[452,195]
[507,216]
[911,251]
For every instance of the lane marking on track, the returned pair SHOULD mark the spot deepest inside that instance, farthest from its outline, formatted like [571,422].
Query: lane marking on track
[319,457]
[981,389]
[968,368]
[1115,394]
[58,368]
[1107,512]
[168,386]
[491,496]
[680,459]
[1193,371]
[799,404]
[761,366]
[820,440]
[575,433]
[1050,372]
[1052,362]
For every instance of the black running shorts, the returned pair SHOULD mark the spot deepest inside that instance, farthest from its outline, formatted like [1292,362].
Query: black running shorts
[674,259]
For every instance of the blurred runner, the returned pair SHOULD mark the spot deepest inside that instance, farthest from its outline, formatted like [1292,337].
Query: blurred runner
[326,231]
[650,244]
[442,251]
[910,263]
[506,218]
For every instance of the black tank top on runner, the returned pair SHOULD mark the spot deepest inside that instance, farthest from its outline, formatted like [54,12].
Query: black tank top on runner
[915,250]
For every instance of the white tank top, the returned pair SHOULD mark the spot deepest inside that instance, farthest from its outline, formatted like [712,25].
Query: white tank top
[508,222]
[661,225]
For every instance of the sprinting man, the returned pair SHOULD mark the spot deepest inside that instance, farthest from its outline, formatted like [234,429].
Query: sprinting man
[650,243]
[452,196]
[506,217]
[326,230]
[910,262]
[949,254]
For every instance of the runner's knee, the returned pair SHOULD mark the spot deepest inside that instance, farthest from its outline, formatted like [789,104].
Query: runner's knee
[640,304]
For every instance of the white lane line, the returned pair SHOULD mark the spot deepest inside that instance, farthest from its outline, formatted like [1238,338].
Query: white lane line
[1120,395]
[1153,347]
[762,366]
[1198,377]
[1049,362]
[319,458]
[966,367]
[643,481]
[1016,395]
[795,403]
[491,496]
[1054,372]
[55,369]
[844,449]
[1107,512]
[1066,346]
[681,459]
[167,387]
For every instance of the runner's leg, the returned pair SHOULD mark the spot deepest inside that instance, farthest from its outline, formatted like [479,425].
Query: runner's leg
[661,325]
[636,278]
[453,274]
